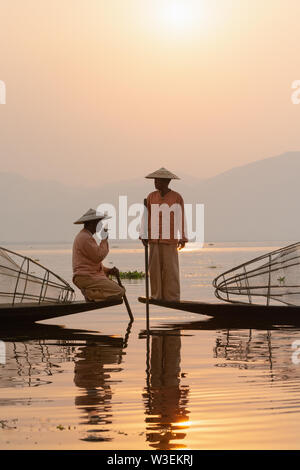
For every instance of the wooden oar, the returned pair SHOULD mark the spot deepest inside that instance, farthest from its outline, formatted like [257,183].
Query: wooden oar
[147,268]
[125,299]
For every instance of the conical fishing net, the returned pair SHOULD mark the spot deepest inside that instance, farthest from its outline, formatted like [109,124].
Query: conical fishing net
[270,279]
[24,280]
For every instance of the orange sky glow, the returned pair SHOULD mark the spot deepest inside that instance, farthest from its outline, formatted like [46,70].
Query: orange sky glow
[100,90]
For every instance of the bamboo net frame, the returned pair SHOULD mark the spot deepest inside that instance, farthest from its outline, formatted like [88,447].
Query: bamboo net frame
[24,280]
[273,278]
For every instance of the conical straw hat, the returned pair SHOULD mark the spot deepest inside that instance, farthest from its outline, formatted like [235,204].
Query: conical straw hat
[162,173]
[91,214]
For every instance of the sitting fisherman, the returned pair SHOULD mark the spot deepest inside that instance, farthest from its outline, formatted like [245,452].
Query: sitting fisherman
[89,274]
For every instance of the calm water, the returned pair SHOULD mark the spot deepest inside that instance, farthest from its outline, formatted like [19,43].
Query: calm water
[93,381]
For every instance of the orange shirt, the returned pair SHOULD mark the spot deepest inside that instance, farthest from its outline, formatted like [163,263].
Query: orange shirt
[161,225]
[88,255]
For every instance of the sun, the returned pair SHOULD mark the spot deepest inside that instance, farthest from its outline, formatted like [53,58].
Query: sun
[176,14]
[178,19]
[180,16]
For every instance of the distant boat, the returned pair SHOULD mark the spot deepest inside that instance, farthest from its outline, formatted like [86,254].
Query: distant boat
[30,292]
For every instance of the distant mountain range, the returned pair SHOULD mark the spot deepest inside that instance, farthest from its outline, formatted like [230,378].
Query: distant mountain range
[254,202]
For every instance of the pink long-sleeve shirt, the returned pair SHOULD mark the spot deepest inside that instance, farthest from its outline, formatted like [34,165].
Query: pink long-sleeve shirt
[88,256]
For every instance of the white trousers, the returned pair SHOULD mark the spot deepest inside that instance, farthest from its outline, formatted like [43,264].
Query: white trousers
[164,271]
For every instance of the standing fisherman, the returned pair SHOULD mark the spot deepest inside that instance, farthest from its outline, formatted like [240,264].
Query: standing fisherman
[166,234]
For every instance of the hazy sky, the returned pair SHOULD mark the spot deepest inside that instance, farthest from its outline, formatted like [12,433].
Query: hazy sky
[113,89]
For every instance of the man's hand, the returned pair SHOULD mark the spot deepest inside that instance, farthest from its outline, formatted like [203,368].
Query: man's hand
[144,241]
[114,271]
[181,244]
[104,233]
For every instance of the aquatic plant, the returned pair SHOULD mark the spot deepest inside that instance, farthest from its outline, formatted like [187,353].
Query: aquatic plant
[132,274]
[281,280]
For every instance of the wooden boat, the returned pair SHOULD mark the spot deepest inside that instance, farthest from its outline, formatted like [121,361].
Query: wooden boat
[266,288]
[31,312]
[232,310]
[30,292]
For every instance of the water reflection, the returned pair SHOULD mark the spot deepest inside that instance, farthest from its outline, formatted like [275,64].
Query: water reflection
[165,398]
[32,363]
[244,348]
[253,349]
[37,354]
[248,344]
[94,366]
